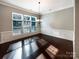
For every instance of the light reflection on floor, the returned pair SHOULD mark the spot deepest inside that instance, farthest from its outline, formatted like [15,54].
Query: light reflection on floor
[35,48]
[13,54]
[41,56]
[22,49]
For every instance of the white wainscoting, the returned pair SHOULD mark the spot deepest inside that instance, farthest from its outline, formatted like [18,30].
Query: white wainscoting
[65,34]
[7,36]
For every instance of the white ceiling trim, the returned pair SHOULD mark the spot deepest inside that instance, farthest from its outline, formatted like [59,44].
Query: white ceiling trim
[57,9]
[16,7]
[46,6]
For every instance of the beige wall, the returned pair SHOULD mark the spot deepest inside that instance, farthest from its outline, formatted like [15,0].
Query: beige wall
[59,23]
[6,17]
[77,28]
[6,23]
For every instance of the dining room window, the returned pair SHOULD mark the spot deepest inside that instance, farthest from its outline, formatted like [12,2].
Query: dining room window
[23,23]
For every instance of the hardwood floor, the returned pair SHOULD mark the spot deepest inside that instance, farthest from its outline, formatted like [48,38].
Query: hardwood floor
[65,46]
[35,48]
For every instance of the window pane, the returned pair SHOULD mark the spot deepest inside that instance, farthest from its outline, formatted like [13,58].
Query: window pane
[32,18]
[17,23]
[33,24]
[15,16]
[17,31]
[23,23]
[26,23]
[33,29]
[26,18]
[26,30]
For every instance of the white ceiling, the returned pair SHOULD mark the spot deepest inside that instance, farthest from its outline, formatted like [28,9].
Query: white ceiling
[46,6]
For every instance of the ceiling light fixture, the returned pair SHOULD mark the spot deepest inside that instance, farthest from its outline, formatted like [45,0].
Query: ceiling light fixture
[39,11]
[39,17]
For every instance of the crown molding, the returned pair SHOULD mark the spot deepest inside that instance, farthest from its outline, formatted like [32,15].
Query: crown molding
[71,6]
[17,7]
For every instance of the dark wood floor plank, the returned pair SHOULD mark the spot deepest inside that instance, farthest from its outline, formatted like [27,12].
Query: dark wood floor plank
[65,47]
